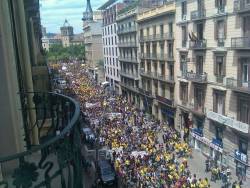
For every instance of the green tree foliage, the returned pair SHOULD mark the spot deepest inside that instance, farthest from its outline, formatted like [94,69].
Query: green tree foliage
[58,52]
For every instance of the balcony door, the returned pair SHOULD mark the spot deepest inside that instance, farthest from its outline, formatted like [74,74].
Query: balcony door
[246,26]
[199,65]
[200,6]
[245,74]
[200,29]
[183,64]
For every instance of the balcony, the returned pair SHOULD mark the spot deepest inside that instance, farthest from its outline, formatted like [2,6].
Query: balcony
[241,6]
[128,59]
[129,75]
[129,87]
[240,43]
[198,14]
[145,92]
[164,100]
[198,44]
[194,77]
[126,30]
[238,85]
[127,44]
[158,76]
[157,37]
[59,150]
[221,10]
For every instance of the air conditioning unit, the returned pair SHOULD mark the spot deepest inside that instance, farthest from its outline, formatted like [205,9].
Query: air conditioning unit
[184,17]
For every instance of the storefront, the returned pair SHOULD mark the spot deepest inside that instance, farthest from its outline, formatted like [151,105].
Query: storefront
[241,161]
[206,146]
[168,115]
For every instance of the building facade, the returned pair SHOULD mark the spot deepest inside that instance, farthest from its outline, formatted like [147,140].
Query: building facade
[212,63]
[92,34]
[110,46]
[128,54]
[48,42]
[67,33]
[156,28]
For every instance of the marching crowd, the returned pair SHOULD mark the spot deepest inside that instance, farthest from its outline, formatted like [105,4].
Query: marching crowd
[146,153]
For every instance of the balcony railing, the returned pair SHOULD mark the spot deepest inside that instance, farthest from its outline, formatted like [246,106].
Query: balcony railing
[198,44]
[159,56]
[127,44]
[128,59]
[198,14]
[158,76]
[241,6]
[165,100]
[202,78]
[221,10]
[58,152]
[157,37]
[240,42]
[126,30]
[238,85]
[220,42]
[145,92]
[132,88]
[130,74]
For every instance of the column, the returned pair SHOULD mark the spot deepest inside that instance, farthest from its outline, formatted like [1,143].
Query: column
[25,58]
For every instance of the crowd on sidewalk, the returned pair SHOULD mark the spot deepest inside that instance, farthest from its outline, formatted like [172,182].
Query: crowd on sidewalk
[145,152]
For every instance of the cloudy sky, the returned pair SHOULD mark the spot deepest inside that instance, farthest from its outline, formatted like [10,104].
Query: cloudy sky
[54,12]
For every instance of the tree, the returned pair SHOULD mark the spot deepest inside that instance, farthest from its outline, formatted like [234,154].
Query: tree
[59,53]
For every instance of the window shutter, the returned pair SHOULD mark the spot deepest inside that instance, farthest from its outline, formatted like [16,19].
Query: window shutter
[215,30]
[214,102]
[224,66]
[215,66]
[225,28]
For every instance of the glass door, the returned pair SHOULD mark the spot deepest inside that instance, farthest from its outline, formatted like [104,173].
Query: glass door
[245,75]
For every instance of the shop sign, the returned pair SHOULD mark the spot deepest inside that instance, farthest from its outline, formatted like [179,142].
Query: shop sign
[207,142]
[217,142]
[240,156]
[198,132]
[243,127]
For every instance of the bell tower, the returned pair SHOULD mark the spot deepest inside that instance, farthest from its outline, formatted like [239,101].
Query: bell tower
[88,14]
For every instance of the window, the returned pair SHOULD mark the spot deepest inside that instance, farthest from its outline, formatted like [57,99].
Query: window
[219,133]
[154,30]
[161,29]
[198,99]
[141,33]
[170,50]
[184,10]
[184,92]
[115,28]
[244,110]
[220,32]
[170,28]
[111,30]
[243,145]
[220,5]
[183,65]
[219,68]
[219,102]
[245,74]
[184,35]
[199,65]
[148,31]
[246,26]
[200,29]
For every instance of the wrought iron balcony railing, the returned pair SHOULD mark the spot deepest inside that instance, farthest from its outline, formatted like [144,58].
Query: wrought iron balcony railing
[127,44]
[59,149]
[238,85]
[127,86]
[240,43]
[198,14]
[157,37]
[158,76]
[198,44]
[241,6]
[126,30]
[164,100]
[128,59]
[202,78]
[130,74]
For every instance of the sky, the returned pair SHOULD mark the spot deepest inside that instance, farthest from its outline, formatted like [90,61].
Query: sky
[54,12]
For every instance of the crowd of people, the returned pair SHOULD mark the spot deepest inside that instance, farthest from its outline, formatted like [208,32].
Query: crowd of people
[146,153]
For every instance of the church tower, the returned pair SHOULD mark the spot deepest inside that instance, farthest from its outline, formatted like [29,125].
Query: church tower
[88,14]
[67,33]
